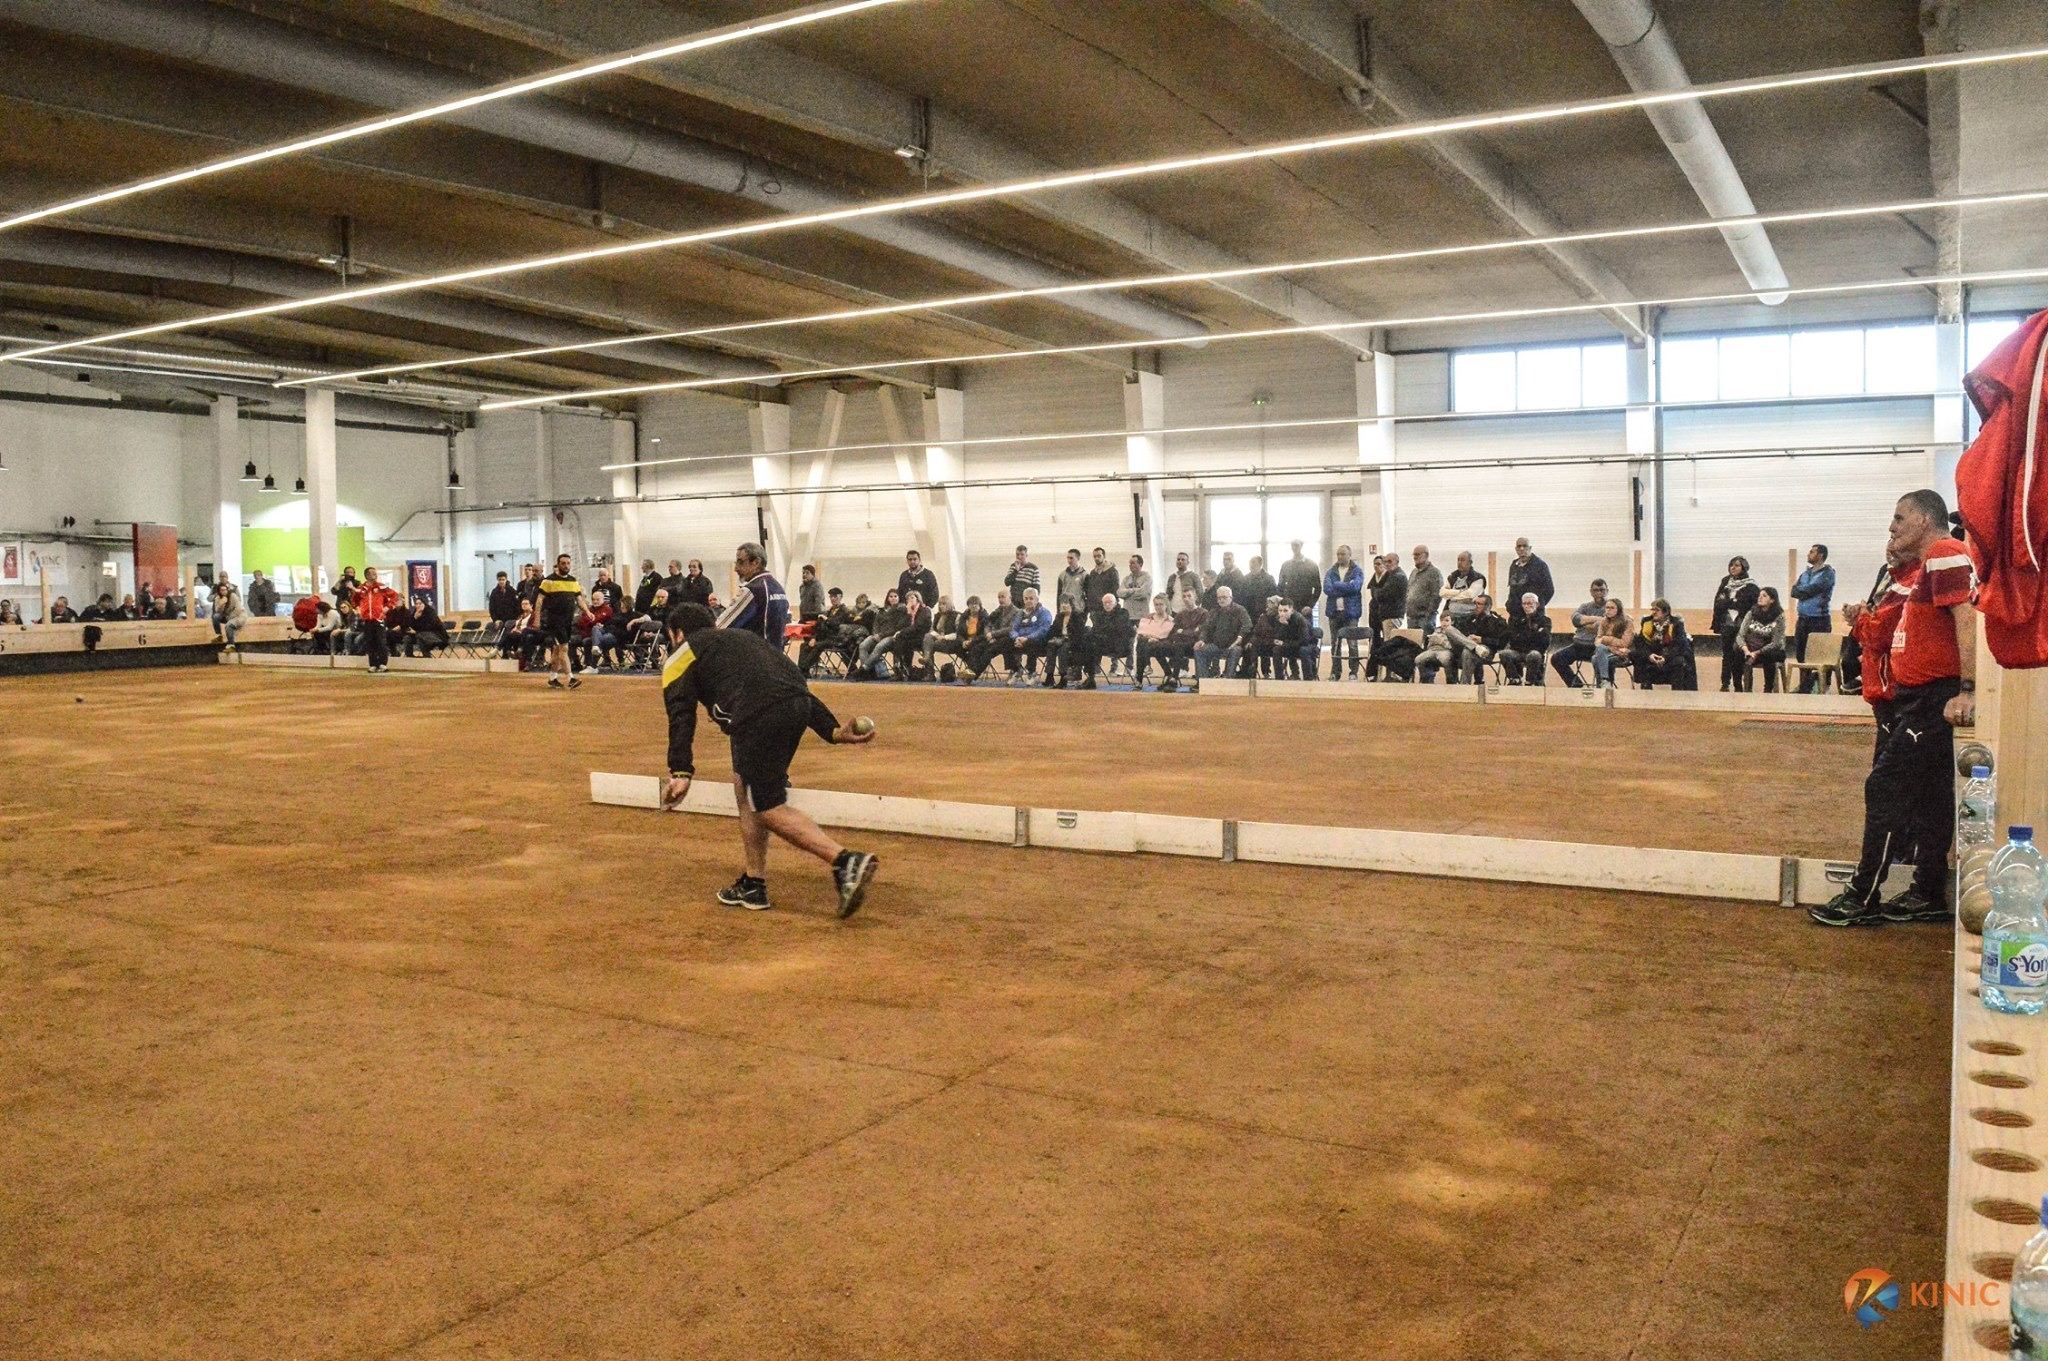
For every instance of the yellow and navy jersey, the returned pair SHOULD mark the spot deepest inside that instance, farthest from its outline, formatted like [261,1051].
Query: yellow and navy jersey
[558,592]
[736,677]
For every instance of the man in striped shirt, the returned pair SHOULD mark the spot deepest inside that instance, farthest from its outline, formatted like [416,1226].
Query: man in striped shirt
[1023,575]
[1920,649]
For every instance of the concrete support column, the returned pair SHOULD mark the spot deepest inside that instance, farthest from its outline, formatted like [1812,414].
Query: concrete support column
[945,422]
[811,505]
[547,530]
[1145,409]
[768,429]
[1949,434]
[1643,439]
[915,502]
[323,536]
[228,461]
[625,448]
[462,559]
[1373,375]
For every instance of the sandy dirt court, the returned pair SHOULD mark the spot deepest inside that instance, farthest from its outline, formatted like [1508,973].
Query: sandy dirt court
[335,1022]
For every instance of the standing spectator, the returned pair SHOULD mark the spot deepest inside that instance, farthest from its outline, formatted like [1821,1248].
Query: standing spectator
[1463,588]
[673,582]
[529,586]
[1153,631]
[373,602]
[1228,576]
[1136,589]
[231,615]
[1478,638]
[917,577]
[1258,588]
[1022,576]
[1661,651]
[1528,642]
[608,591]
[1301,585]
[1733,598]
[505,604]
[1585,636]
[262,601]
[1425,591]
[1072,587]
[1210,582]
[1527,575]
[1225,635]
[810,596]
[762,608]
[1179,582]
[143,602]
[1815,592]
[1388,604]
[1920,651]
[345,589]
[694,588]
[1344,589]
[1760,642]
[1101,580]
[1852,643]
[1190,623]
[643,594]
[1030,634]
[1611,647]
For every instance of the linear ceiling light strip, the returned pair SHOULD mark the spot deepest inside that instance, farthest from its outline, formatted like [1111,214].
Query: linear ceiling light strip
[511,89]
[1268,333]
[1793,217]
[1872,71]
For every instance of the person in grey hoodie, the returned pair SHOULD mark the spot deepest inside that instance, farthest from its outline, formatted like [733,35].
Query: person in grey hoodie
[1425,591]
[1136,590]
[1072,588]
[262,598]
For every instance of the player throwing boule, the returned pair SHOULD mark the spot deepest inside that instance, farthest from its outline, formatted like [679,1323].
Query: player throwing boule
[758,698]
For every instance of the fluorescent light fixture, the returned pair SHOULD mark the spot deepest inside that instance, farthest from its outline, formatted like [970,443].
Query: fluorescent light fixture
[1250,427]
[1404,132]
[1268,333]
[511,89]
[1201,276]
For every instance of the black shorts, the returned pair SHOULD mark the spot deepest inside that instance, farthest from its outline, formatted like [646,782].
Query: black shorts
[558,630]
[763,749]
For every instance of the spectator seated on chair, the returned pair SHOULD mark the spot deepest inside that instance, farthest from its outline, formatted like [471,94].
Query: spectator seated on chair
[1109,633]
[1289,645]
[526,638]
[61,612]
[889,621]
[1393,657]
[1661,652]
[594,636]
[909,640]
[1225,635]
[1439,653]
[941,639]
[973,633]
[329,638]
[829,635]
[1153,631]
[1063,645]
[1190,625]
[998,639]
[1479,638]
[398,626]
[428,632]
[1760,643]
[1585,631]
[1613,639]
[1528,643]
[1030,637]
[231,615]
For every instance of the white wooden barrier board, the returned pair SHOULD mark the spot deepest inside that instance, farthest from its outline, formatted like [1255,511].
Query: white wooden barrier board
[1076,829]
[1164,834]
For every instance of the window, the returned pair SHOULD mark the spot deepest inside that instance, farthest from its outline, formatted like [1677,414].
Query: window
[1899,359]
[1691,370]
[1251,525]
[1755,365]
[1540,378]
[1985,336]
[1827,363]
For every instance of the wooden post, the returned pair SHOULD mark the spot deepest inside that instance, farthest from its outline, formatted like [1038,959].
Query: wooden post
[1493,582]
[1791,578]
[1635,595]
[2018,733]
[43,581]
[192,591]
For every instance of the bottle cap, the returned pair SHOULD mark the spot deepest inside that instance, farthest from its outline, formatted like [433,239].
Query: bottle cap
[1980,772]
[2020,833]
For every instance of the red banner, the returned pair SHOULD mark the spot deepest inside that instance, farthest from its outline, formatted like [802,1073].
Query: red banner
[156,559]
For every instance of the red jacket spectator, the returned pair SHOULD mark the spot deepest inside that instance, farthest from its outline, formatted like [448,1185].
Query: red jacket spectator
[2002,491]
[374,600]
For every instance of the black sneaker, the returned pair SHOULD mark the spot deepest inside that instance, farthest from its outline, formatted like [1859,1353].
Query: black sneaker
[853,871]
[1846,909]
[746,891]
[554,682]
[1913,906]
[575,683]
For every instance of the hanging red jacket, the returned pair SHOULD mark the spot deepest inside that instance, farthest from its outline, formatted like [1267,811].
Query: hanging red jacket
[2002,491]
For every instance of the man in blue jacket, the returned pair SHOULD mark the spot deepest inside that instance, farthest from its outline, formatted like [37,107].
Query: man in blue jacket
[1343,594]
[1815,592]
[1027,637]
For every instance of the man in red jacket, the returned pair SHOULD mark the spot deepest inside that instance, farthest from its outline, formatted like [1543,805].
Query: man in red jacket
[2002,491]
[1919,674]
[374,601]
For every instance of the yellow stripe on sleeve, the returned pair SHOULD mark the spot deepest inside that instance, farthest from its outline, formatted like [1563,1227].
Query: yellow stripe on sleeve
[677,665]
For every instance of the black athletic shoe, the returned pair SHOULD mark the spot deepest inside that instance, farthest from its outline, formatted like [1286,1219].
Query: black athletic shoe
[1913,906]
[853,871]
[1088,684]
[1846,909]
[747,892]
[575,684]
[554,682]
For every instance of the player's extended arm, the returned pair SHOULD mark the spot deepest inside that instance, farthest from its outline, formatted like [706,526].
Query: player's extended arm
[1962,710]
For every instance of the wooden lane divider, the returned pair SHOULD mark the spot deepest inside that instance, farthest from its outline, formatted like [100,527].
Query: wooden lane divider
[1784,881]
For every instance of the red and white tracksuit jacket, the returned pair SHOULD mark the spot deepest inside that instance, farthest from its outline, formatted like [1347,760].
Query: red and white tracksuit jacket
[2002,491]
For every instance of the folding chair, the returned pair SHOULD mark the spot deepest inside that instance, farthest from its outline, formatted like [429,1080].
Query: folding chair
[1823,659]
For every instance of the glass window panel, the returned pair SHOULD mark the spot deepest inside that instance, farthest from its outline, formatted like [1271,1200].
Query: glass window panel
[1755,366]
[1826,363]
[1289,518]
[1899,359]
[1984,336]
[1483,380]
[1243,551]
[1604,370]
[1690,369]
[1547,378]
[1235,518]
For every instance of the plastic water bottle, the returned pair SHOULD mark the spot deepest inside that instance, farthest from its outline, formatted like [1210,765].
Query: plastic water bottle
[1977,811]
[2030,1297]
[2014,976]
